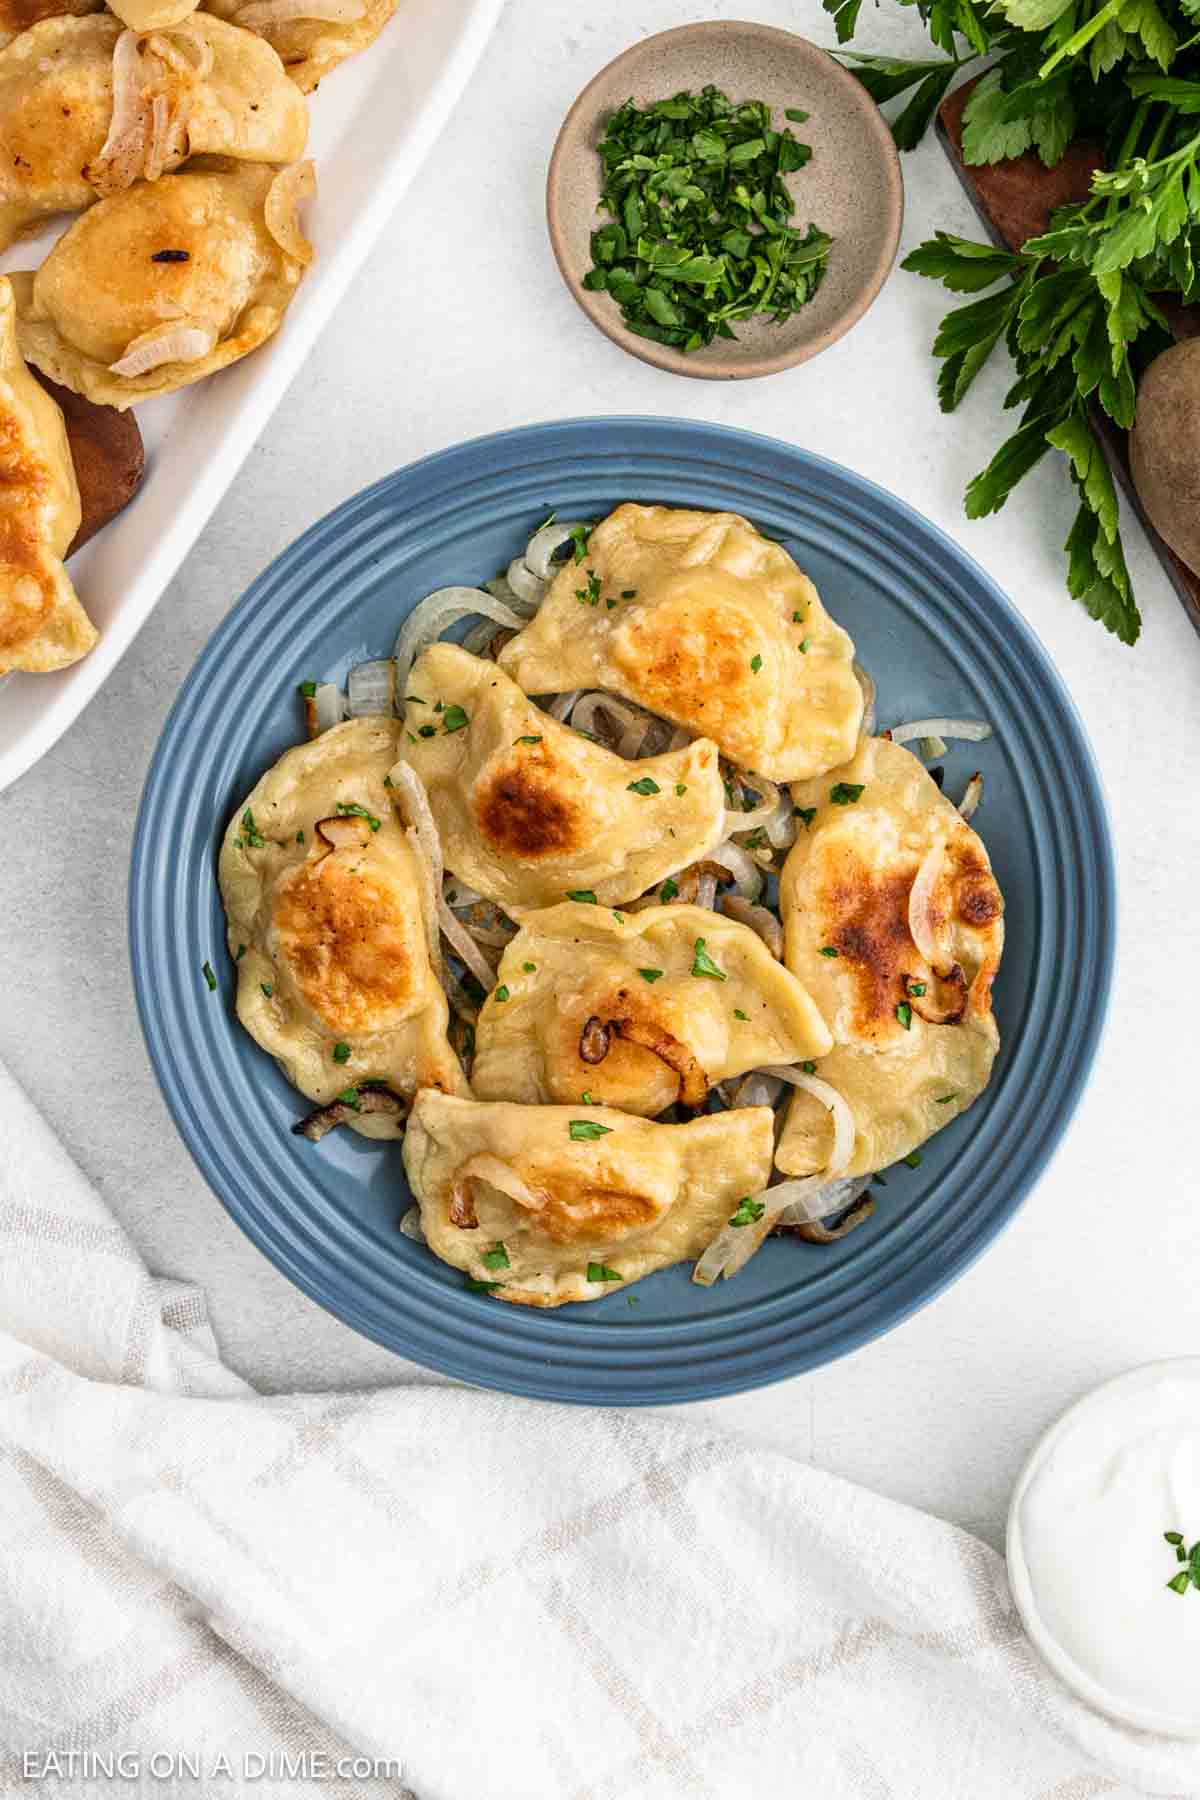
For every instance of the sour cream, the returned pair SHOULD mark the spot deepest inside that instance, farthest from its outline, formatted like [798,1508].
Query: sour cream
[1088,1560]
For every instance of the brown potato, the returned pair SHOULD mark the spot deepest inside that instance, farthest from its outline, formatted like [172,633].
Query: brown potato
[109,459]
[1164,448]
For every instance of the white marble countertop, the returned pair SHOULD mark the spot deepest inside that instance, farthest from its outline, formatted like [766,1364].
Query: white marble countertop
[450,333]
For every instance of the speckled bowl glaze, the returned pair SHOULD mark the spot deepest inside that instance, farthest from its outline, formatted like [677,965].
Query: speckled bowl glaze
[851,188]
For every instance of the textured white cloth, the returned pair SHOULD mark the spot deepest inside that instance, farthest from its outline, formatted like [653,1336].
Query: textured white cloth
[508,1600]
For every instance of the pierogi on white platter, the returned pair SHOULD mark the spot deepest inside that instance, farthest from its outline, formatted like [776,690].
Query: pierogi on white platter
[327,927]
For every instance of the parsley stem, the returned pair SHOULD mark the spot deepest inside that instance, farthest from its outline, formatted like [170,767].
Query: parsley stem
[1084,35]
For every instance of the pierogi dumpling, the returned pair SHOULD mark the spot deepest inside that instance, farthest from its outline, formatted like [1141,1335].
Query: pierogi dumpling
[699,618]
[572,1202]
[17,16]
[166,282]
[915,1037]
[217,89]
[627,1009]
[529,810]
[330,939]
[42,624]
[311,36]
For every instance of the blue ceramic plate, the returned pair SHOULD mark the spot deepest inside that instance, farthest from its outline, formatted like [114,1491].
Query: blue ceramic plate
[939,637]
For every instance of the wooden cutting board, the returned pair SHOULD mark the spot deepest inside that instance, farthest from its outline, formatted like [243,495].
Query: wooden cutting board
[1014,199]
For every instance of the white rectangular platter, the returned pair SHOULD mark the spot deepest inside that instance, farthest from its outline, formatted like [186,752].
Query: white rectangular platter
[373,121]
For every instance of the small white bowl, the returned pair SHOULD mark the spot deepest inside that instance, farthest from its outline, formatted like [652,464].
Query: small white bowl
[1112,1706]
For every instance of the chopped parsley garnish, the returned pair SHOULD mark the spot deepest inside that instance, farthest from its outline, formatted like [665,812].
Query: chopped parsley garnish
[307,689]
[913,1159]
[527,740]
[749,1212]
[1185,1577]
[299,837]
[589,1099]
[904,1014]
[829,950]
[584,895]
[668,890]
[945,1099]
[619,917]
[645,786]
[803,646]
[529,967]
[629,593]
[482,1287]
[915,988]
[341,1053]
[580,1130]
[809,1068]
[579,538]
[845,793]
[349,1097]
[651,975]
[757,839]
[602,1272]
[610,606]
[210,978]
[439,706]
[501,993]
[251,832]
[739,1014]
[697,234]
[267,989]
[351,809]
[426,731]
[454,719]
[681,788]
[496,1258]
[590,595]
[807,814]
[241,951]
[703,964]
[797,618]
[414,700]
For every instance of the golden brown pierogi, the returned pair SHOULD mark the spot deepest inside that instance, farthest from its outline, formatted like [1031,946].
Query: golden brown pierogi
[311,36]
[529,810]
[915,1038]
[618,1006]
[702,620]
[573,1214]
[330,940]
[42,624]
[166,282]
[204,88]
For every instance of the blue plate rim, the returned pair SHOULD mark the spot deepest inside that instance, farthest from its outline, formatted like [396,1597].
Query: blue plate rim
[582,1383]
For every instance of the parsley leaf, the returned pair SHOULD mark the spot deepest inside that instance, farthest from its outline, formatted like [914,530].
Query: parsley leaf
[651,975]
[584,895]
[645,786]
[703,964]
[749,1212]
[454,719]
[598,1271]
[845,793]
[580,1130]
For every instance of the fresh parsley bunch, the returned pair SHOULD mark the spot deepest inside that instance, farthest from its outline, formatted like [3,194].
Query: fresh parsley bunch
[698,234]
[1075,307]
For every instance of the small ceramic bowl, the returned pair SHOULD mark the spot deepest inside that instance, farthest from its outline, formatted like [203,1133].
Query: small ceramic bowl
[851,188]
[1052,1653]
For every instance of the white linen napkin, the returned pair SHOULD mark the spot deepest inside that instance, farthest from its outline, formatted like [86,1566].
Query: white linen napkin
[205,1592]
